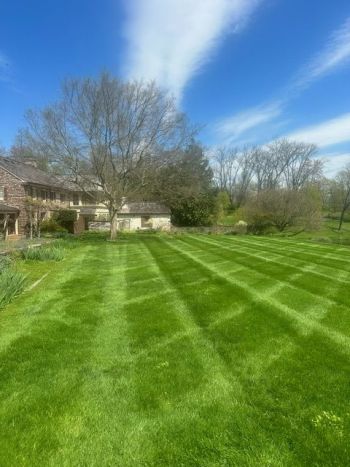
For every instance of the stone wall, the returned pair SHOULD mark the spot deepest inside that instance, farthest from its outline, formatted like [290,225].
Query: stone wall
[14,195]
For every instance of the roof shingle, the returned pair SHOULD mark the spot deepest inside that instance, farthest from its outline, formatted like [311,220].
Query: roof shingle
[145,208]
[28,173]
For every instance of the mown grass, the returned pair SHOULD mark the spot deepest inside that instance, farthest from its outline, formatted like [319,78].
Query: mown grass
[192,350]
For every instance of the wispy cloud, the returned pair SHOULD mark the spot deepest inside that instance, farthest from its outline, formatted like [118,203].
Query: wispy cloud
[170,40]
[328,133]
[233,127]
[334,162]
[335,54]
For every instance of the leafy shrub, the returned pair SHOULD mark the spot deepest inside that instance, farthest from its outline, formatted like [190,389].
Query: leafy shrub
[240,228]
[44,253]
[193,211]
[11,284]
[52,226]
[66,218]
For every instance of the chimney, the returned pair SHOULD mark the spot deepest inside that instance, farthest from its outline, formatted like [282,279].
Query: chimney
[31,162]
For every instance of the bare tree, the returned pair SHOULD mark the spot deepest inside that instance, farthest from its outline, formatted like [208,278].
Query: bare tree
[288,164]
[233,171]
[26,148]
[245,175]
[109,135]
[299,164]
[226,167]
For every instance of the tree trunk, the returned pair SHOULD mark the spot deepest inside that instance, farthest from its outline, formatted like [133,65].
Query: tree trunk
[114,225]
[342,218]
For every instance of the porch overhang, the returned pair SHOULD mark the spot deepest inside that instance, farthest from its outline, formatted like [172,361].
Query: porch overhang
[88,211]
[4,208]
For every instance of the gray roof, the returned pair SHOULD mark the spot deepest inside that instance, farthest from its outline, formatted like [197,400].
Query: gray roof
[6,208]
[145,208]
[28,173]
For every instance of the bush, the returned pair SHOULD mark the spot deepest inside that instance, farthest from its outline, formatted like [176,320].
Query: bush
[193,212]
[66,218]
[44,253]
[11,284]
[281,209]
[240,228]
[52,226]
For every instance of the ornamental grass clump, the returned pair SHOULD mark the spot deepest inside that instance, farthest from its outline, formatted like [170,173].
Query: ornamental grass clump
[44,253]
[11,281]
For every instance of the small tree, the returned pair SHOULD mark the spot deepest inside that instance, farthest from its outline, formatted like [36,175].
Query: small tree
[283,208]
[36,211]
[221,206]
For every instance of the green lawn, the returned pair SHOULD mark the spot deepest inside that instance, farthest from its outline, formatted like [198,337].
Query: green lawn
[180,351]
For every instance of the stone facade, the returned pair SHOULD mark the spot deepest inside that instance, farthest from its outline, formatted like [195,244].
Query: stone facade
[14,192]
[14,195]
[19,180]
[134,222]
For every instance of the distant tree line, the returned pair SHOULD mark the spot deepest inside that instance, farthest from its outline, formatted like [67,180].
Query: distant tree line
[127,140]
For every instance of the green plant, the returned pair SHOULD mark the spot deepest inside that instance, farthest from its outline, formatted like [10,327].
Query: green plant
[11,284]
[52,226]
[66,218]
[44,253]
[193,211]
[5,263]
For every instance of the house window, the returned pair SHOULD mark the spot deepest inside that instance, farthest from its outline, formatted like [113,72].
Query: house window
[2,193]
[146,222]
[52,196]
[63,198]
[75,199]
[45,195]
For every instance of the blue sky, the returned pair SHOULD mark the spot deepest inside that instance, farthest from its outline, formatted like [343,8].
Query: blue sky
[249,70]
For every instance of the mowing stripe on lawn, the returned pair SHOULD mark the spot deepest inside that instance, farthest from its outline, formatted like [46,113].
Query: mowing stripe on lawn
[302,322]
[293,279]
[317,258]
[271,254]
[336,291]
[306,300]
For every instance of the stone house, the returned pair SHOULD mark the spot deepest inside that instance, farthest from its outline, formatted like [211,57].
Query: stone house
[20,180]
[133,216]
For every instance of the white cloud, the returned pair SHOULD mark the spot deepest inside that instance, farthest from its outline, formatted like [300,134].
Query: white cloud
[334,162]
[328,133]
[170,40]
[233,127]
[335,53]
